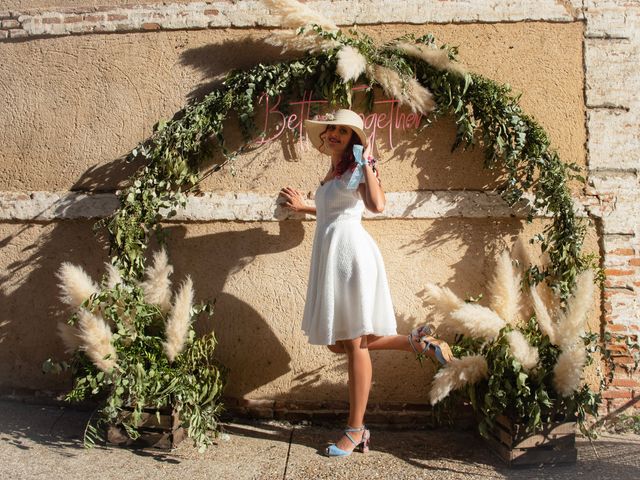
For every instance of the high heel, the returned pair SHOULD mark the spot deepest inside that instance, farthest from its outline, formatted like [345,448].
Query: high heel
[420,334]
[333,450]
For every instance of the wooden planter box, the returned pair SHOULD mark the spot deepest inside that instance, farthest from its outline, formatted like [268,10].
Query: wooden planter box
[165,434]
[555,444]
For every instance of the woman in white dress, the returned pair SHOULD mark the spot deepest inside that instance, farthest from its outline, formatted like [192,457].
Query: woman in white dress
[348,305]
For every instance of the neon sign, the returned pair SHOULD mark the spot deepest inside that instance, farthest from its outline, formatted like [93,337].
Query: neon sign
[391,119]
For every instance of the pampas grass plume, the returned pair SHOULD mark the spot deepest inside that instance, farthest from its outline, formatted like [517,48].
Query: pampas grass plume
[95,337]
[75,284]
[294,14]
[547,326]
[436,57]
[477,321]
[524,353]
[412,93]
[113,275]
[572,323]
[351,63]
[505,289]
[418,97]
[456,374]
[70,337]
[442,298]
[157,285]
[177,326]
[567,373]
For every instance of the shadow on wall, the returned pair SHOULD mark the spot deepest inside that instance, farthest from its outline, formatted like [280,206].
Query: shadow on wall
[29,302]
[247,343]
[31,308]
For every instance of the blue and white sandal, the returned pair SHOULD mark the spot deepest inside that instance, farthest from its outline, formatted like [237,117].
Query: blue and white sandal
[333,450]
[419,335]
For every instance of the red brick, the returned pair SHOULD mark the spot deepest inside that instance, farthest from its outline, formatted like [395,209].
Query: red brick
[264,413]
[52,20]
[625,382]
[78,10]
[618,405]
[611,272]
[211,11]
[616,348]
[151,26]
[635,262]
[10,23]
[17,33]
[616,282]
[617,394]
[73,19]
[93,18]
[611,327]
[116,16]
[334,405]
[619,292]
[622,359]
[622,251]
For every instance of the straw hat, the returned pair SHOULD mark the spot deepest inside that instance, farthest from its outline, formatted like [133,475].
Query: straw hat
[340,117]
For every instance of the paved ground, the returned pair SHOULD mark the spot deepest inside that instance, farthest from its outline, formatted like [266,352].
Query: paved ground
[45,442]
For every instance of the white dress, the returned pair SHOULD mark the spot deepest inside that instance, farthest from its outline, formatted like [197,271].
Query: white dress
[347,293]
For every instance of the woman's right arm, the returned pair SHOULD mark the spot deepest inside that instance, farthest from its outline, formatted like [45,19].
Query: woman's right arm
[295,201]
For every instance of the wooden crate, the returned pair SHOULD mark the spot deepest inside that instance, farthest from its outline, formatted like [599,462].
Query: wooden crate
[554,444]
[165,434]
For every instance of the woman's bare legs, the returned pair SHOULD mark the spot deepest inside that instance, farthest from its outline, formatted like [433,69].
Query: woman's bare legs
[359,363]
[388,342]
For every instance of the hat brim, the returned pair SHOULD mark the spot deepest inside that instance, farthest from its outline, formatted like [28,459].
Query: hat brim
[315,128]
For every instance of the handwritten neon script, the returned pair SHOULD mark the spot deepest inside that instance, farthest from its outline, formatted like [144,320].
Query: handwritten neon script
[388,121]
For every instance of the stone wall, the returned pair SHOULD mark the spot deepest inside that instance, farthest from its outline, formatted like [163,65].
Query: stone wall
[55,177]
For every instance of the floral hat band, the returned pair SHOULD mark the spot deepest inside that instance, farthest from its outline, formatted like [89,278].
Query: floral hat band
[343,116]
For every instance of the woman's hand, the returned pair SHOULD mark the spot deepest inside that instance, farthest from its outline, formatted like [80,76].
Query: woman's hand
[294,199]
[367,151]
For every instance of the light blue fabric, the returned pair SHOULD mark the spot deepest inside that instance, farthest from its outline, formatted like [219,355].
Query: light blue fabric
[358,173]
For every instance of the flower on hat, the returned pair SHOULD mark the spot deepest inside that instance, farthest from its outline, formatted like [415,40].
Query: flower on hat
[327,117]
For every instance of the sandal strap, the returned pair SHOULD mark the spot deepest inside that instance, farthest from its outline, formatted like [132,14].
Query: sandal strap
[351,429]
[355,429]
[425,349]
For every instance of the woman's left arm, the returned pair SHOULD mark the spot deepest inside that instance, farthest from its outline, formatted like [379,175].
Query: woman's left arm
[371,191]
